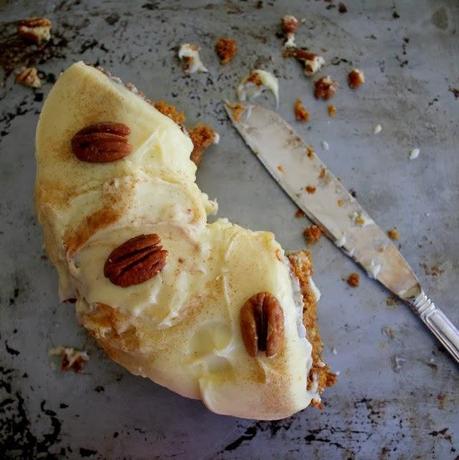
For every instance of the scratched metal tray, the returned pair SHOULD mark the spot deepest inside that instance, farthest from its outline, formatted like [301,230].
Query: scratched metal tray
[397,395]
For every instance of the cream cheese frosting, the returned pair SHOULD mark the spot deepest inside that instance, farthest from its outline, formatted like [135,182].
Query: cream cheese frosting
[180,328]
[255,83]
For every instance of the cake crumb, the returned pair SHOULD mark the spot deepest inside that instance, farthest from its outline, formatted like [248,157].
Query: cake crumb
[301,114]
[331,111]
[359,219]
[310,189]
[280,168]
[355,78]
[325,88]
[253,84]
[312,62]
[299,213]
[393,234]
[312,234]
[226,49]
[353,280]
[191,61]
[71,359]
[237,110]
[170,111]
[341,203]
[289,25]
[310,151]
[202,136]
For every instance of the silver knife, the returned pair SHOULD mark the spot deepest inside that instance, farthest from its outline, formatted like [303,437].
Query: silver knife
[309,183]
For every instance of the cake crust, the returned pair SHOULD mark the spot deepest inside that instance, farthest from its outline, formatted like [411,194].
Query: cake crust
[301,264]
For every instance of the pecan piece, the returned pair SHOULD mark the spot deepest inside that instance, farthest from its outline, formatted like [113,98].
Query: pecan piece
[262,324]
[137,260]
[35,29]
[28,76]
[102,142]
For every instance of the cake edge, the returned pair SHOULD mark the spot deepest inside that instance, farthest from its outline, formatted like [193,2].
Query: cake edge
[320,373]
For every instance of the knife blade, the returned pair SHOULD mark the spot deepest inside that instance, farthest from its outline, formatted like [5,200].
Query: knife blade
[323,198]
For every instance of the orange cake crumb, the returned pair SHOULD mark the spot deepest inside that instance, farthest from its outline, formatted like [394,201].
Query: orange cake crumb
[310,151]
[226,49]
[280,168]
[236,110]
[355,79]
[312,234]
[310,189]
[202,136]
[393,234]
[353,280]
[301,114]
[331,111]
[299,213]
[170,111]
[325,88]
[255,78]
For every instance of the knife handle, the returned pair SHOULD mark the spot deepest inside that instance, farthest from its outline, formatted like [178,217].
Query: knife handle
[438,323]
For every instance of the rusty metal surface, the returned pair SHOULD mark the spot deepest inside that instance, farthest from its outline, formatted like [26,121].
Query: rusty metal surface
[397,395]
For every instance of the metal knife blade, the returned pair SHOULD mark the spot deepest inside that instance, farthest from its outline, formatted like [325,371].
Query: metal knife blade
[315,190]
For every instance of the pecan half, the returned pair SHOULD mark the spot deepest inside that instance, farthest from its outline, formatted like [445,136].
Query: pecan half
[102,142]
[135,261]
[262,324]
[35,29]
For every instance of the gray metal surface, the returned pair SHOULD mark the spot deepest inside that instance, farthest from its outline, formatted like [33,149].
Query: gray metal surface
[397,396]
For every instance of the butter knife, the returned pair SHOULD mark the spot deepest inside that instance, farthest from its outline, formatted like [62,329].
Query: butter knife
[315,190]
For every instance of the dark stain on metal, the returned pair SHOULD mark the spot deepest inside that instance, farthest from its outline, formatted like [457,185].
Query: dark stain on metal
[11,350]
[17,438]
[21,109]
[112,19]
[248,435]
[87,452]
[337,61]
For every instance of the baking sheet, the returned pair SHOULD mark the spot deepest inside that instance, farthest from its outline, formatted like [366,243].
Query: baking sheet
[397,395]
